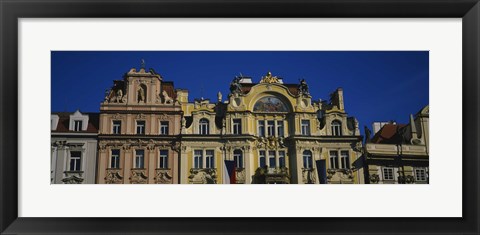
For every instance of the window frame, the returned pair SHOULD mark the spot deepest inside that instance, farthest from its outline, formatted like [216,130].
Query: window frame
[78,127]
[203,126]
[163,159]
[336,128]
[237,126]
[136,162]
[238,158]
[164,129]
[307,159]
[114,129]
[345,159]
[424,174]
[77,161]
[137,125]
[117,159]
[393,173]
[305,127]
[333,160]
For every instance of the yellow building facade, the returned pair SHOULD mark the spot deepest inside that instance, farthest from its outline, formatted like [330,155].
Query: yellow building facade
[273,132]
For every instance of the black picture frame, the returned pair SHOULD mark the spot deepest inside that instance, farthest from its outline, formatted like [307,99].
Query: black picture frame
[11,11]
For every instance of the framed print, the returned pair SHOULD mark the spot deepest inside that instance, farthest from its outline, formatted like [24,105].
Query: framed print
[246,93]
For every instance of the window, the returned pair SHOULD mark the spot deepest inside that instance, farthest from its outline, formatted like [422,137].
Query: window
[307,159]
[203,127]
[139,159]
[75,160]
[420,174]
[115,159]
[345,160]
[198,159]
[262,159]
[271,128]
[117,127]
[163,159]
[333,160]
[261,128]
[238,158]
[164,128]
[77,125]
[336,128]
[140,127]
[271,159]
[281,159]
[210,159]
[237,126]
[280,128]
[305,127]
[388,173]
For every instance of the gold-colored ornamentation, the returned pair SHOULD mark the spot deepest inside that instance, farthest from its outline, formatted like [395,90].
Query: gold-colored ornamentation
[269,78]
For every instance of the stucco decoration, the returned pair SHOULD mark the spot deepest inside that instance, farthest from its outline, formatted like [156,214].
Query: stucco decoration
[308,176]
[203,176]
[163,176]
[73,179]
[270,104]
[269,78]
[139,176]
[113,176]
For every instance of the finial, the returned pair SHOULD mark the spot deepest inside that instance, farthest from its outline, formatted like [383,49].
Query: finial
[142,64]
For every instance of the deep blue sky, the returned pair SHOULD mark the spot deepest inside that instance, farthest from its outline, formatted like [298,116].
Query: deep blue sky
[378,86]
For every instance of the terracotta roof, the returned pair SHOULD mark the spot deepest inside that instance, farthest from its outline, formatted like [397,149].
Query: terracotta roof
[64,120]
[168,87]
[389,134]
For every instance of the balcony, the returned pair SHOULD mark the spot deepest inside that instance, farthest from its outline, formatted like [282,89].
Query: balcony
[278,175]
[113,176]
[203,176]
[163,176]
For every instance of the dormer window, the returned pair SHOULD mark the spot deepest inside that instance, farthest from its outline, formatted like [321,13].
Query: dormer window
[77,125]
[203,126]
[336,128]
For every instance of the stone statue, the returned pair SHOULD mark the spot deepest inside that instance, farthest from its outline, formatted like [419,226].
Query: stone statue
[235,86]
[303,87]
[107,94]
[166,98]
[219,97]
[367,135]
[140,94]
[119,95]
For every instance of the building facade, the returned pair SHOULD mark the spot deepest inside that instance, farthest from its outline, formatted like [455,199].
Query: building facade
[73,147]
[398,153]
[138,138]
[273,132]
[150,133]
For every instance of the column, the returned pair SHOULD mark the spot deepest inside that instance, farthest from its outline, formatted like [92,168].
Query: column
[150,164]
[184,165]
[127,164]
[248,158]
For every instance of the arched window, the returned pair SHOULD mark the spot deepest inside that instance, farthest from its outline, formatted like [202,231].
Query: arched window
[336,128]
[307,159]
[203,127]
[238,158]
